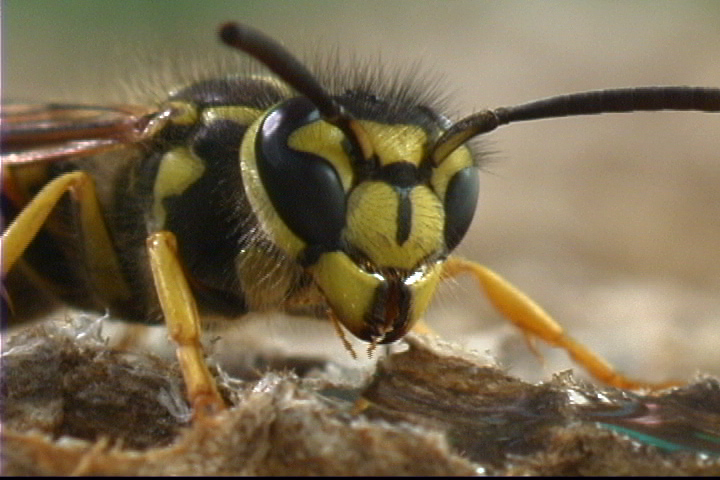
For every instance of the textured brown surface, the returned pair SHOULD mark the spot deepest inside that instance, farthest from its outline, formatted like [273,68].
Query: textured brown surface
[72,405]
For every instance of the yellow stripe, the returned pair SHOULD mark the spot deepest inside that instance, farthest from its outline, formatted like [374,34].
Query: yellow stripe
[241,115]
[396,143]
[321,138]
[179,168]
[456,161]
[372,225]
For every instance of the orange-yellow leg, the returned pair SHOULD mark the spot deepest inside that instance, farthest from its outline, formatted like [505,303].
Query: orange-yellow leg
[96,240]
[183,324]
[536,323]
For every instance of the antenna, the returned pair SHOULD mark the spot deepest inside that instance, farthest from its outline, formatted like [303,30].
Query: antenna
[618,100]
[281,62]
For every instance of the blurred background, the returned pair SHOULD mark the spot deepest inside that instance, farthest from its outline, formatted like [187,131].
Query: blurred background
[611,223]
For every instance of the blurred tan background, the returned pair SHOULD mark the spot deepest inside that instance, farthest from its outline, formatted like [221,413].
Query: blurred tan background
[611,223]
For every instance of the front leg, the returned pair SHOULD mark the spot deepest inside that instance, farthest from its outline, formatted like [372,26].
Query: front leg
[183,324]
[536,323]
[102,260]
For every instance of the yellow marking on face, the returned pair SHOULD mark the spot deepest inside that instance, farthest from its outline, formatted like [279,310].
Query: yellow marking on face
[391,143]
[349,290]
[453,163]
[396,143]
[353,299]
[241,115]
[372,225]
[325,140]
[179,168]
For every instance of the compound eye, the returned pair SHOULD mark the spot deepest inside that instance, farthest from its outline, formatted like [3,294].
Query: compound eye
[305,189]
[460,203]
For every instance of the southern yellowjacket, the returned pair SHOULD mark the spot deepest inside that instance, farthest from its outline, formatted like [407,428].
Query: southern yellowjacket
[251,193]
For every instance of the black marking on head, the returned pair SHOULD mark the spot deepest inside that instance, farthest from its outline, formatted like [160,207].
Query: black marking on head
[404,216]
[399,174]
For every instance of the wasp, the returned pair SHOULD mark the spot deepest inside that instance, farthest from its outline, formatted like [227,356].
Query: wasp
[339,200]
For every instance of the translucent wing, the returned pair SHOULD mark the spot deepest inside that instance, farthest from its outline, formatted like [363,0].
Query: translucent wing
[32,133]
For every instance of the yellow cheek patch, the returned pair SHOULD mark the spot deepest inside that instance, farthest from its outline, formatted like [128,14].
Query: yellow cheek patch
[373,224]
[179,168]
[349,290]
[396,143]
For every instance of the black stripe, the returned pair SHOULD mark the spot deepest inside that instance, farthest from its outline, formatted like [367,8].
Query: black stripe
[404,215]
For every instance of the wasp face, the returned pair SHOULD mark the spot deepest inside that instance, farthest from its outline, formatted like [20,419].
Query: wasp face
[372,232]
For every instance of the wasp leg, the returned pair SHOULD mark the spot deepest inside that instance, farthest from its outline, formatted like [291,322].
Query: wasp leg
[98,246]
[535,322]
[183,324]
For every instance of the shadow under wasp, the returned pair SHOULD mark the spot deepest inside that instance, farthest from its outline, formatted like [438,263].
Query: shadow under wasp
[254,193]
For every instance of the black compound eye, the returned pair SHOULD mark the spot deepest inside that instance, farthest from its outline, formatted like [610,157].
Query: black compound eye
[460,203]
[304,188]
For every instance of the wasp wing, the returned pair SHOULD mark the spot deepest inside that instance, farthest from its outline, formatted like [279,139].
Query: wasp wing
[33,133]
